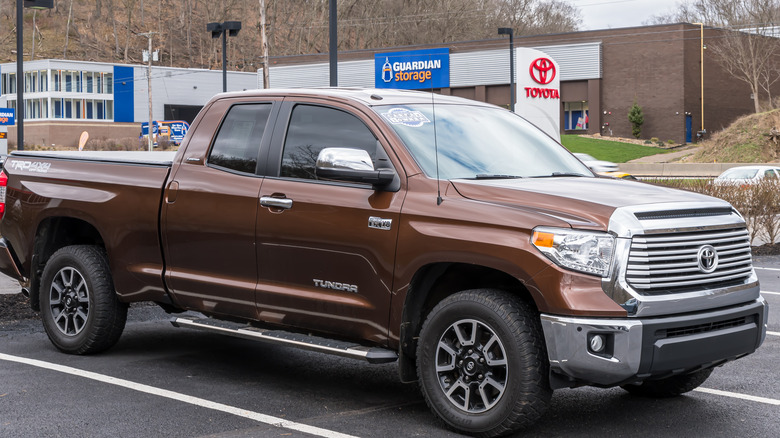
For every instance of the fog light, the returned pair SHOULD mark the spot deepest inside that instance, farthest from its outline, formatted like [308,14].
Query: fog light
[597,343]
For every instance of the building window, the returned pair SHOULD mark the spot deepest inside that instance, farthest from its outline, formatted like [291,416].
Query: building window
[109,83]
[5,84]
[575,116]
[44,80]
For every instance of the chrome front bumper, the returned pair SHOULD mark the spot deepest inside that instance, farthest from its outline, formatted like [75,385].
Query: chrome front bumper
[638,349]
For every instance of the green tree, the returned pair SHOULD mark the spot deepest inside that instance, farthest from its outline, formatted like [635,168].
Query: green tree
[636,118]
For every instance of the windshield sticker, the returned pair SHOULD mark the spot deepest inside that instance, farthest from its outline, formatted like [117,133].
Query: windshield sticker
[402,116]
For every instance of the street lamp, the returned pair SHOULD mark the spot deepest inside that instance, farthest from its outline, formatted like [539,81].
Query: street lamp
[701,62]
[511,32]
[20,5]
[228,28]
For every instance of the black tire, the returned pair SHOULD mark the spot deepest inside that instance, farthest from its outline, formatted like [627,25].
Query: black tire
[79,307]
[671,386]
[502,352]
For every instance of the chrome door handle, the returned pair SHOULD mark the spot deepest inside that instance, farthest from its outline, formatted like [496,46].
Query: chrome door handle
[267,201]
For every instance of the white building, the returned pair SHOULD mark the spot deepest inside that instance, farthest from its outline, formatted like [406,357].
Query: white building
[65,98]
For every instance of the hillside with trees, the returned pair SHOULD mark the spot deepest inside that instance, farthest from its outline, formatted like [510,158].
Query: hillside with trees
[108,30]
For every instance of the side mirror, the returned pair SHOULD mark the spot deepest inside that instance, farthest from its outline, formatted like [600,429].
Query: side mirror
[351,165]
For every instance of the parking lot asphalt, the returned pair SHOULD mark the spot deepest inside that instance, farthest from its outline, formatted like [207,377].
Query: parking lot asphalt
[163,381]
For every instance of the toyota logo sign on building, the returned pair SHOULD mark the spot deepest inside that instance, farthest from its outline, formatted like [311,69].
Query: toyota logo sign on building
[542,71]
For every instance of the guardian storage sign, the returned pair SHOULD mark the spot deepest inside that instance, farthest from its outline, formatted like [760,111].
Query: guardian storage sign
[413,70]
[7,116]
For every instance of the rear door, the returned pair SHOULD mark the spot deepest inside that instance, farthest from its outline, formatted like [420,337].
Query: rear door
[326,250]
[210,210]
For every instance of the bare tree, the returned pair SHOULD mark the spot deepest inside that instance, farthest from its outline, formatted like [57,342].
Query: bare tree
[748,49]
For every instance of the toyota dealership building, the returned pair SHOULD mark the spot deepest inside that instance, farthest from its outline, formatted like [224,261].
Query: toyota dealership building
[584,82]
[601,73]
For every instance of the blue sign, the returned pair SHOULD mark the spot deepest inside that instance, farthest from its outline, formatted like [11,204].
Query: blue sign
[7,116]
[173,130]
[413,70]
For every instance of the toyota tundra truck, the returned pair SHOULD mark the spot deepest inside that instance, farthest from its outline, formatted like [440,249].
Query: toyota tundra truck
[450,236]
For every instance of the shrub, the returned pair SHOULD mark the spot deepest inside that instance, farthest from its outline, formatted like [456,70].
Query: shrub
[113,144]
[759,204]
[636,118]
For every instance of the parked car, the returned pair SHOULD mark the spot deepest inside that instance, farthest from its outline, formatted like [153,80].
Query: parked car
[595,165]
[620,175]
[743,175]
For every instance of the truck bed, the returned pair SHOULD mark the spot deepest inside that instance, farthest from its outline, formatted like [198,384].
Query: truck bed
[155,158]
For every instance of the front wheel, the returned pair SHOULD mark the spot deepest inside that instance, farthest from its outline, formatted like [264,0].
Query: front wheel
[482,363]
[671,386]
[79,307]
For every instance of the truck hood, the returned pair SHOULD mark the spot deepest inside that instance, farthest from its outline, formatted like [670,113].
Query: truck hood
[583,202]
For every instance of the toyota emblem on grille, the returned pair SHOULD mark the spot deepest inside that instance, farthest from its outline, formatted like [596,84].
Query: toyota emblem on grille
[708,259]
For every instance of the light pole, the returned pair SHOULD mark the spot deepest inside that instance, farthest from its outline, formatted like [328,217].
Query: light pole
[511,32]
[20,5]
[333,37]
[701,67]
[225,29]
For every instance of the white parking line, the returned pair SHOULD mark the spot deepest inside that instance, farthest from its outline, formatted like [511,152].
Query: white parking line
[770,293]
[768,401]
[766,269]
[262,418]
[773,333]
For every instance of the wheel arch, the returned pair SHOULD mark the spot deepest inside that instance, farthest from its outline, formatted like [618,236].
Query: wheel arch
[52,234]
[435,282]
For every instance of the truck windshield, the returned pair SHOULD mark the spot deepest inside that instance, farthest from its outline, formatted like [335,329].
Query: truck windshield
[478,142]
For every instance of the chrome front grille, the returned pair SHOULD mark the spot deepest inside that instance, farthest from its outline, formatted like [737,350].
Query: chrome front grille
[670,263]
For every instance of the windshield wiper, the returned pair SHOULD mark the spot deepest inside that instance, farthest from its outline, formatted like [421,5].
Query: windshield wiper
[496,176]
[560,174]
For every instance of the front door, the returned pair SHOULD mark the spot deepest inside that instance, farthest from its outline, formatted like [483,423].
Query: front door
[688,128]
[326,250]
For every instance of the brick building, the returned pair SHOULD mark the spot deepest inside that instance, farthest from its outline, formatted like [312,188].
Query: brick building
[602,73]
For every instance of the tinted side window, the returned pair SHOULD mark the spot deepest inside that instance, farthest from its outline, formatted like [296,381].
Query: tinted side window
[313,128]
[238,142]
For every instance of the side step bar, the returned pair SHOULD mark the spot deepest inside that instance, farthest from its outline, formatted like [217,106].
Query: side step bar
[306,342]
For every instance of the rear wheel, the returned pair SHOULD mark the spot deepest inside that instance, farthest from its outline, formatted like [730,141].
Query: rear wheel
[482,363]
[79,307]
[671,386]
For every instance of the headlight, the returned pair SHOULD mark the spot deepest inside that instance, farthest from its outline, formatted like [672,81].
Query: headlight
[584,251]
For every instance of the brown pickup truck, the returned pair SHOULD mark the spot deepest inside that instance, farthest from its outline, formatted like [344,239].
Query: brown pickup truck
[448,235]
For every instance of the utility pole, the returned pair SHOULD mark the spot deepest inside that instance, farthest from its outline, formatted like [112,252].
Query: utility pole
[149,35]
[333,36]
[264,40]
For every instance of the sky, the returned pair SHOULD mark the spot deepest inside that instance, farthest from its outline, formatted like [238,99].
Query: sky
[606,14]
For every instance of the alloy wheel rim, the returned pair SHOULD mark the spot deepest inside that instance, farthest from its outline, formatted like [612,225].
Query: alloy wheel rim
[69,301]
[471,366]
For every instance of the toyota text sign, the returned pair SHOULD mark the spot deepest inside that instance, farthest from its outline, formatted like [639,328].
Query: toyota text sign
[538,90]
